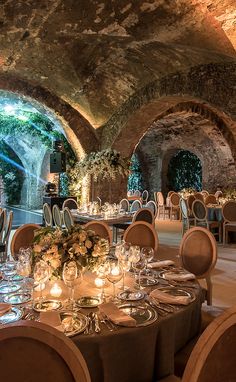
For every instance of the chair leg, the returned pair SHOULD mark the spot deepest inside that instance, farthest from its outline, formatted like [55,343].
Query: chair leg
[209,291]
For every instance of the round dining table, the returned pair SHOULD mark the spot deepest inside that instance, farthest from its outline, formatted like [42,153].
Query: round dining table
[135,354]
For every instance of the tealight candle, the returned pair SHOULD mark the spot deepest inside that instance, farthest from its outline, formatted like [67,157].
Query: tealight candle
[115,271]
[99,282]
[56,290]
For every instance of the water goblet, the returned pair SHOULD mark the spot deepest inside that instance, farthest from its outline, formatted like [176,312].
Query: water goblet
[42,273]
[148,254]
[9,271]
[102,271]
[139,266]
[125,263]
[134,254]
[114,275]
[69,275]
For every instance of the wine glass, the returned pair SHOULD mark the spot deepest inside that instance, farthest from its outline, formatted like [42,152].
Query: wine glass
[148,254]
[102,272]
[114,275]
[134,252]
[69,275]
[124,261]
[139,266]
[9,271]
[42,273]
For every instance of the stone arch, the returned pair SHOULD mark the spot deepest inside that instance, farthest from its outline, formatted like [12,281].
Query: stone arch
[79,133]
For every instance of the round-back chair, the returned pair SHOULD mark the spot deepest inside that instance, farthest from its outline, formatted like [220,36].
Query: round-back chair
[205,193]
[213,356]
[229,216]
[159,198]
[47,215]
[199,196]
[67,218]
[23,237]
[183,208]
[70,203]
[174,204]
[137,193]
[199,211]
[198,254]
[124,205]
[218,194]
[135,206]
[210,199]
[142,234]
[3,217]
[57,216]
[190,201]
[144,214]
[40,353]
[101,229]
[170,193]
[145,195]
[153,207]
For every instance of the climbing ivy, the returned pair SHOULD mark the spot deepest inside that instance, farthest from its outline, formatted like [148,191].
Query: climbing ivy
[135,180]
[184,171]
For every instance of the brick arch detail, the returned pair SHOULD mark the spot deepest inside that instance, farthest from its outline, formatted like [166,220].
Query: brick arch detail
[73,123]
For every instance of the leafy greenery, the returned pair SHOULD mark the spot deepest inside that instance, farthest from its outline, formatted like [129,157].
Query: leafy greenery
[184,171]
[135,180]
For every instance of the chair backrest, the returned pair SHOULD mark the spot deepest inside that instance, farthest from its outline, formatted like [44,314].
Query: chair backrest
[229,211]
[184,208]
[218,194]
[199,196]
[205,193]
[159,198]
[142,234]
[145,195]
[152,206]
[144,214]
[213,356]
[174,199]
[99,201]
[198,251]
[70,203]
[135,206]
[40,353]
[3,216]
[57,216]
[190,201]
[67,218]
[124,205]
[8,228]
[170,193]
[23,237]
[199,210]
[210,199]
[137,193]
[101,229]
[47,214]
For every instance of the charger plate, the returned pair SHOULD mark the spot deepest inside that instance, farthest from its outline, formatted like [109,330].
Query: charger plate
[144,315]
[88,301]
[9,288]
[13,315]
[17,298]
[175,291]
[130,295]
[73,323]
[47,305]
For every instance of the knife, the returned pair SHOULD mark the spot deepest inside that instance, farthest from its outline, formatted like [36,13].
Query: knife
[96,323]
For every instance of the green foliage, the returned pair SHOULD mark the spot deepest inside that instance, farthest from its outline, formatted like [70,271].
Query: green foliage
[184,171]
[135,180]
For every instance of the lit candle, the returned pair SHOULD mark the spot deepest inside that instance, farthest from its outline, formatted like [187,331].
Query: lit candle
[115,271]
[56,290]
[39,287]
[99,282]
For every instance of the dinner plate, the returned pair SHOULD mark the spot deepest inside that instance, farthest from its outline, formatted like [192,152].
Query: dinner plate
[13,315]
[146,281]
[173,273]
[9,288]
[73,323]
[173,291]
[144,315]
[88,301]
[47,305]
[17,298]
[129,295]
[15,278]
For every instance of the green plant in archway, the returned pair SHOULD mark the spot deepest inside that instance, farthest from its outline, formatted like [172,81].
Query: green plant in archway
[135,180]
[184,171]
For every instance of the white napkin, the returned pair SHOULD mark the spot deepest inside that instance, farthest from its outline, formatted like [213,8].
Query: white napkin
[169,299]
[179,276]
[160,264]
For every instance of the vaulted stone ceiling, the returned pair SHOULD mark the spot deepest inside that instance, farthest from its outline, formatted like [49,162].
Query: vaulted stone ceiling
[94,55]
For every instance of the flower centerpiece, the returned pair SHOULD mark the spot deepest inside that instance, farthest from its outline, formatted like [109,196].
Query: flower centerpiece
[57,246]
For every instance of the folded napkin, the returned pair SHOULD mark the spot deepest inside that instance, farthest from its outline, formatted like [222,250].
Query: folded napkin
[4,308]
[116,315]
[179,276]
[51,318]
[169,299]
[160,264]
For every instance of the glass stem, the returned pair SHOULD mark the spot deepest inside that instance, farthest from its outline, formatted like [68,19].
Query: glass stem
[114,291]
[72,290]
[123,279]
[139,279]
[40,294]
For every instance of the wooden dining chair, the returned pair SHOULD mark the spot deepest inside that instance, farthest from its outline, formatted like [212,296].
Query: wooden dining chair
[124,205]
[199,196]
[163,209]
[135,206]
[70,203]
[144,197]
[3,216]
[210,199]
[198,254]
[190,200]
[174,205]
[201,219]
[47,215]
[101,229]
[142,234]
[144,214]
[153,207]
[187,219]
[67,218]
[57,216]
[218,194]
[6,232]
[39,353]
[213,356]
[205,193]
[229,216]
[23,237]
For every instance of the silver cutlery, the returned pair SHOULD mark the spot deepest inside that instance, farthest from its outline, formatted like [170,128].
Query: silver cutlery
[107,323]
[90,326]
[97,328]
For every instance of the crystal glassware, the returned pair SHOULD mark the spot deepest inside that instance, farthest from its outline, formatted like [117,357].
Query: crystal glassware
[42,273]
[148,254]
[114,275]
[69,275]
[139,266]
